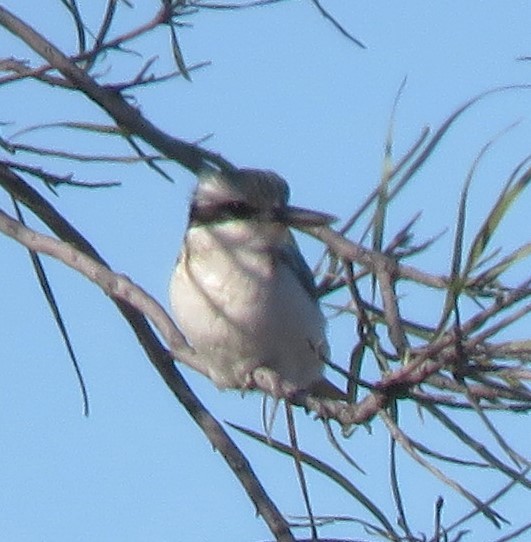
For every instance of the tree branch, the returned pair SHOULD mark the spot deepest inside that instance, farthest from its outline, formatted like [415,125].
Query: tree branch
[127,117]
[76,250]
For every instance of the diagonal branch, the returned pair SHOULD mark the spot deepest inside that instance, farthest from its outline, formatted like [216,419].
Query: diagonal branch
[76,247]
[190,156]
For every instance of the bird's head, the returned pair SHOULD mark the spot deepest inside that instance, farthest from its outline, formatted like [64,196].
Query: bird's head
[252,195]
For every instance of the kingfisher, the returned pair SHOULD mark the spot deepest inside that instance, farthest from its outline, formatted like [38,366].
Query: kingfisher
[241,291]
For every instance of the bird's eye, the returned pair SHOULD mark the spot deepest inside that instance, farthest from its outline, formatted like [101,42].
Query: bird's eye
[239,209]
[220,212]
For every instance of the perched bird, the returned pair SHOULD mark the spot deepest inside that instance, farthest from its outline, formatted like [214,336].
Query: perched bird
[241,292]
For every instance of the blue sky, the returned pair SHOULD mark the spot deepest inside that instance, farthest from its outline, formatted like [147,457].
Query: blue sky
[286,92]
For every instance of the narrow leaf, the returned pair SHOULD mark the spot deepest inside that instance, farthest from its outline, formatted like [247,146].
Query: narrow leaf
[177,54]
[52,303]
[508,196]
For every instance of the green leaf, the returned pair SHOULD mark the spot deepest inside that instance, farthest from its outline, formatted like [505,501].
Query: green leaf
[509,195]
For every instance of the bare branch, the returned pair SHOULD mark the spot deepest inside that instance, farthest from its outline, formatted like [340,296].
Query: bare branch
[189,156]
[81,254]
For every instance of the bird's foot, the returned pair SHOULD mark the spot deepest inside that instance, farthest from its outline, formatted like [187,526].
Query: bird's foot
[270,382]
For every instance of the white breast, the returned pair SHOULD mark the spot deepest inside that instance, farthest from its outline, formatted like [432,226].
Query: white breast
[240,308]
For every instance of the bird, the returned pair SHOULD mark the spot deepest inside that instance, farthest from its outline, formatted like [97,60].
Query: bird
[241,291]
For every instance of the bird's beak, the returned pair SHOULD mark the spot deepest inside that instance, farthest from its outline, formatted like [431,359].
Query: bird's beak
[298,217]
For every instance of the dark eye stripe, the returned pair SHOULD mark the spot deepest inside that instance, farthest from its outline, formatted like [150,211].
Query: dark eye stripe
[231,210]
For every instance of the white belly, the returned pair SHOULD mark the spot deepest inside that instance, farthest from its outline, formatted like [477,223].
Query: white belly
[241,309]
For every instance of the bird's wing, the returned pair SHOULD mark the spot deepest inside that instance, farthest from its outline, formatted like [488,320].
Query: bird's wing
[290,255]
